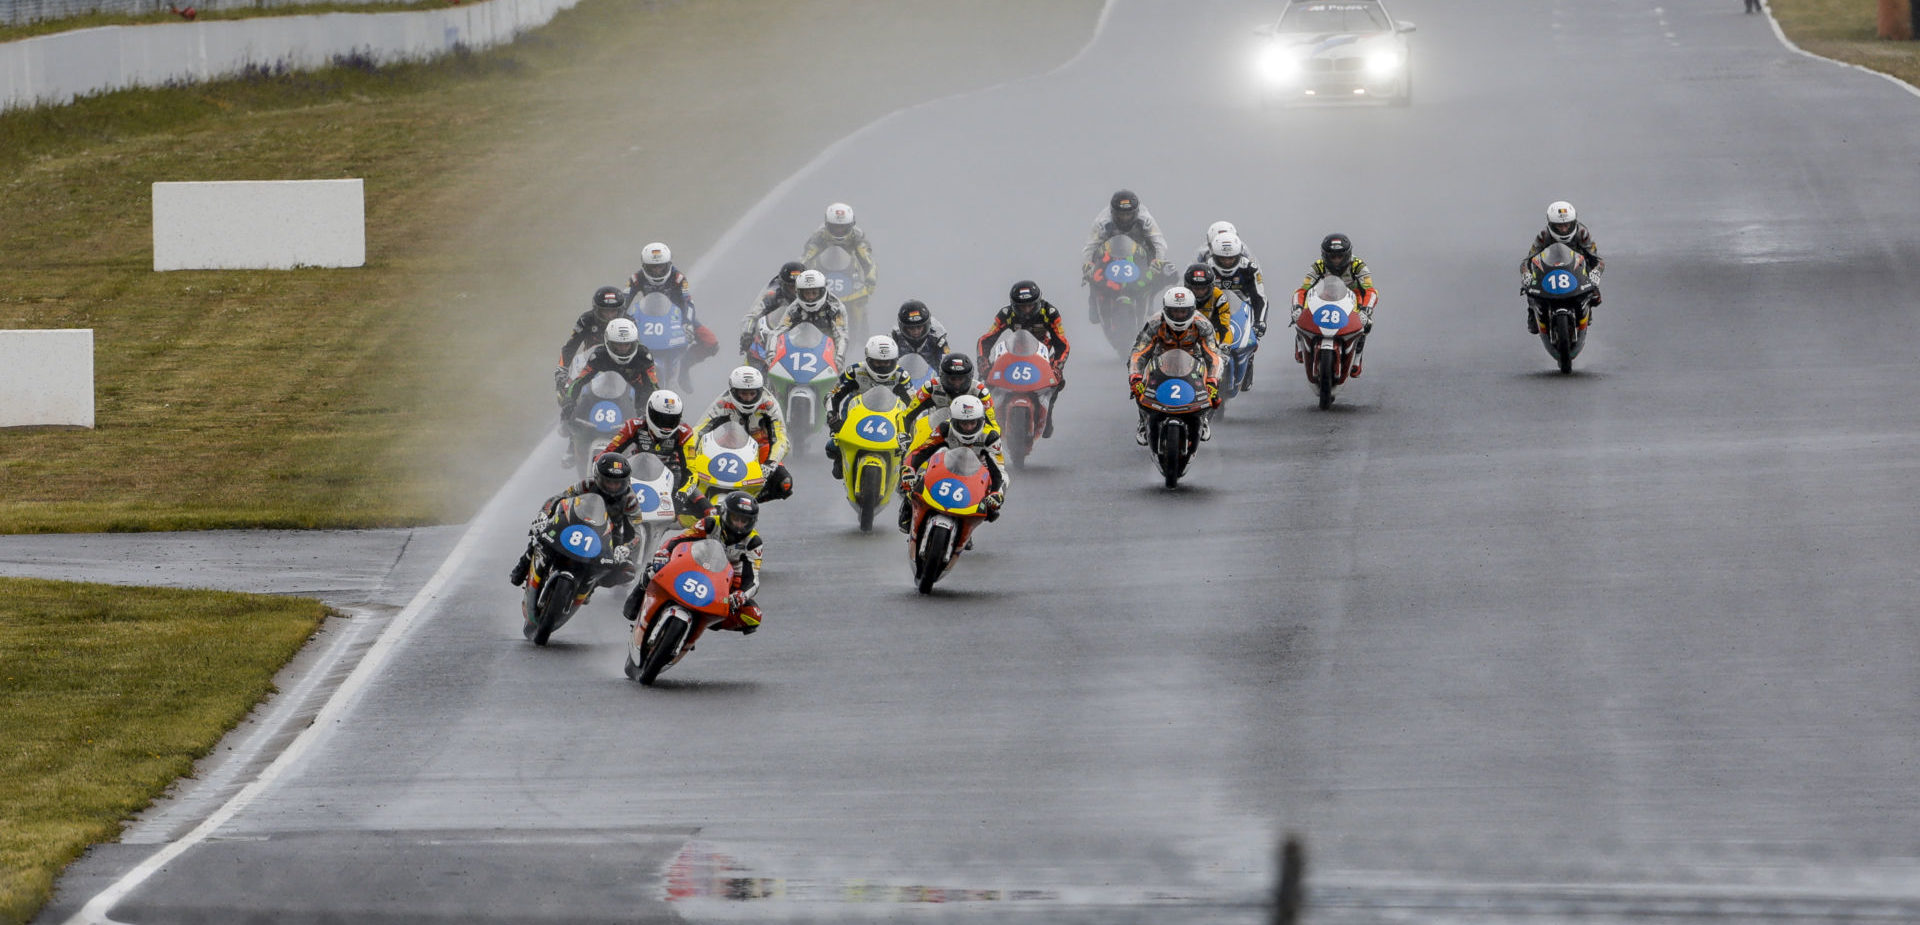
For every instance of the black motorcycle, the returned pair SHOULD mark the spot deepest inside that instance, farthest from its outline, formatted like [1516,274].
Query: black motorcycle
[1175,398]
[572,556]
[1561,296]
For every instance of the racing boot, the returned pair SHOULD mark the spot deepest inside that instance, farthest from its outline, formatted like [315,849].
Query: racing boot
[1246,379]
[906,517]
[631,609]
[1533,324]
[1206,427]
[518,575]
[833,454]
[1093,308]
[568,458]
[1140,435]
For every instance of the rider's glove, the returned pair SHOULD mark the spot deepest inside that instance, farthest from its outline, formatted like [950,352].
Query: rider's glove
[1060,373]
[1086,273]
[1294,318]
[909,480]
[1162,267]
[623,555]
[1138,385]
[737,601]
[560,378]
[1213,392]
[993,500]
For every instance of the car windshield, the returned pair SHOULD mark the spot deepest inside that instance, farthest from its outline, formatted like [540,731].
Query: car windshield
[655,305]
[1321,18]
[880,398]
[731,436]
[804,336]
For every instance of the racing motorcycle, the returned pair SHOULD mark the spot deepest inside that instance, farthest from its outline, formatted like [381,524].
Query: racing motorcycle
[571,555]
[847,282]
[1238,349]
[685,597]
[870,451]
[665,336]
[946,511]
[1561,296]
[1175,397]
[1324,336]
[598,411]
[1020,375]
[1124,279]
[725,459]
[917,370]
[802,370]
[652,484]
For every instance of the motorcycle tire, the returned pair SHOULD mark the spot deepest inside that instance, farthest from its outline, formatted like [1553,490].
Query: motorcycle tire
[1173,451]
[1019,433]
[868,494]
[1327,371]
[1563,341]
[933,551]
[555,598]
[665,645]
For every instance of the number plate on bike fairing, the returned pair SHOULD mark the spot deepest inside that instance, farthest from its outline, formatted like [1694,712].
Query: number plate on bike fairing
[1559,282]
[606,417]
[951,493]
[1022,373]
[1174,393]
[727,467]
[694,589]
[875,428]
[1122,272]
[580,541]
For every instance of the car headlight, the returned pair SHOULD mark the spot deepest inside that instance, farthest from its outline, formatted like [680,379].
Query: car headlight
[1280,64]
[1383,63]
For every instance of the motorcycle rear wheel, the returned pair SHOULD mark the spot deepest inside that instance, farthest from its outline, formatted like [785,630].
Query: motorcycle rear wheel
[557,597]
[660,654]
[933,550]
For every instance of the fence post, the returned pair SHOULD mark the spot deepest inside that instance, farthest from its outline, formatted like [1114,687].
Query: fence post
[1290,888]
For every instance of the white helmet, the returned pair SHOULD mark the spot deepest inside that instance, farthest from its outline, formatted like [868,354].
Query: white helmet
[1223,253]
[655,261]
[1560,221]
[1178,308]
[1219,228]
[883,357]
[812,281]
[664,409]
[746,386]
[967,421]
[839,220]
[622,339]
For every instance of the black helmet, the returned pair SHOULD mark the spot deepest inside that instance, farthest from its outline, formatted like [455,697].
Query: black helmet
[608,298]
[914,314]
[1337,251]
[789,272]
[1024,297]
[738,513]
[613,474]
[956,373]
[1199,278]
[1124,207]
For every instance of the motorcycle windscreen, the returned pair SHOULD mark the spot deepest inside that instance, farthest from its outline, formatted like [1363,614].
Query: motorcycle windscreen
[649,478]
[836,260]
[608,386]
[590,509]
[1332,290]
[655,305]
[731,437]
[916,367]
[1122,247]
[880,400]
[1560,255]
[710,556]
[805,336]
[647,467]
[962,461]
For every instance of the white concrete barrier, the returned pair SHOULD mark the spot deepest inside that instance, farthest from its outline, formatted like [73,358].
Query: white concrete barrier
[56,68]
[259,225]
[46,378]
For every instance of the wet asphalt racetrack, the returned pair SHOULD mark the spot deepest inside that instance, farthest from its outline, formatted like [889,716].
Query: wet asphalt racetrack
[1632,645]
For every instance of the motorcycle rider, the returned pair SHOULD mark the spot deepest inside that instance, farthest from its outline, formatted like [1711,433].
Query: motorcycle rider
[1178,326]
[838,231]
[612,480]
[952,379]
[813,305]
[608,303]
[1337,260]
[919,332]
[657,274]
[1215,230]
[880,368]
[777,295]
[661,433]
[1563,227]
[620,352]
[746,402]
[731,522]
[1027,311]
[967,425]
[1123,215]
[1211,302]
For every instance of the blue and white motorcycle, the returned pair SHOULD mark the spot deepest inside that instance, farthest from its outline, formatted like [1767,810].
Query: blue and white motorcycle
[665,336]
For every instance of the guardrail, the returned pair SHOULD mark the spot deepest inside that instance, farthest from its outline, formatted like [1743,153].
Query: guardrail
[59,67]
[20,12]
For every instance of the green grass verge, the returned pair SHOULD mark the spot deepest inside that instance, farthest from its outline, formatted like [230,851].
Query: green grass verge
[1845,30]
[502,188]
[111,694]
[10,33]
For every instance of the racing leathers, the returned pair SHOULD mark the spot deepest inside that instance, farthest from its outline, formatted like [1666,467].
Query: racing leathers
[830,317]
[777,295]
[1359,281]
[768,427]
[589,329]
[1046,325]
[1215,309]
[855,382]
[1157,338]
[931,346]
[855,243]
[934,397]
[744,615]
[1245,279]
[1582,243]
[1144,230]
[638,372]
[674,286]
[636,438]
[622,509]
[941,438]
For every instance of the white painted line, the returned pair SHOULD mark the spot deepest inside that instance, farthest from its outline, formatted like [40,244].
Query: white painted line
[94,912]
[1781,34]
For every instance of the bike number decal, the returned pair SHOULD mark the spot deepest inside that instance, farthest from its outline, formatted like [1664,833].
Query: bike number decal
[727,467]
[1330,316]
[1122,271]
[581,541]
[649,499]
[1023,373]
[875,428]
[952,493]
[1174,393]
[803,363]
[694,589]
[653,329]
[1559,282]
[838,284]
[605,417]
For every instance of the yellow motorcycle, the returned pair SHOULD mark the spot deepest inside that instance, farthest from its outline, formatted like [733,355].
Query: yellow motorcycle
[725,459]
[870,447]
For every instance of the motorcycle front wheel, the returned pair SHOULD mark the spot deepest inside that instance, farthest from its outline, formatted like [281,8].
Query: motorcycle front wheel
[1329,360]
[933,551]
[1019,433]
[659,652]
[556,597]
[1563,341]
